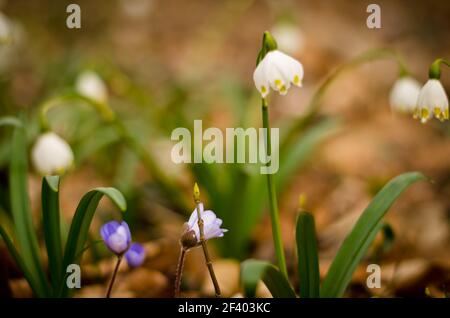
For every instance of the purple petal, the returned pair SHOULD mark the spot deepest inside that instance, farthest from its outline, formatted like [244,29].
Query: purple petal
[117,236]
[108,228]
[135,255]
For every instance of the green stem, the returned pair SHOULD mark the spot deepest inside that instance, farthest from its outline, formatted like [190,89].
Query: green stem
[273,204]
[113,278]
[435,68]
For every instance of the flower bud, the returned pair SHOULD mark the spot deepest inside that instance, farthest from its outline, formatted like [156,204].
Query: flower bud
[135,255]
[117,236]
[51,154]
[90,85]
[188,239]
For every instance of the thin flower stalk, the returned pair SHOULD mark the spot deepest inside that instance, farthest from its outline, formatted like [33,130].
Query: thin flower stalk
[199,209]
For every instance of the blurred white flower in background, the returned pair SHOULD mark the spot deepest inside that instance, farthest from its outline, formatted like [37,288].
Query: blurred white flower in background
[5,29]
[12,37]
[277,71]
[90,85]
[137,8]
[404,94]
[211,224]
[51,154]
[290,38]
[432,102]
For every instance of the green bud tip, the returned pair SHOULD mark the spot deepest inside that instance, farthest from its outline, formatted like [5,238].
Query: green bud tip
[196,192]
[269,43]
[435,70]
[301,201]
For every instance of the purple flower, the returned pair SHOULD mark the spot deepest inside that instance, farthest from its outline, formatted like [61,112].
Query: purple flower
[135,255]
[211,224]
[116,236]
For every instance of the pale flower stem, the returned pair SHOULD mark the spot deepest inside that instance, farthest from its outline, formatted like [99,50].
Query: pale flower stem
[206,252]
[113,278]
[179,272]
[273,204]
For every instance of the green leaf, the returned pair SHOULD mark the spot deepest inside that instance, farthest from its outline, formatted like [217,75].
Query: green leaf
[362,235]
[308,261]
[20,209]
[51,226]
[81,222]
[37,289]
[252,271]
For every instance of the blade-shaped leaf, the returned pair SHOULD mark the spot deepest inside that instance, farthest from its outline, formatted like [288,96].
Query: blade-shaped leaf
[51,226]
[37,289]
[20,208]
[308,261]
[252,271]
[363,233]
[81,222]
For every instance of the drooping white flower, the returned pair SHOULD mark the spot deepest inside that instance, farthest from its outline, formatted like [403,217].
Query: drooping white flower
[211,224]
[51,154]
[5,29]
[432,102]
[277,71]
[289,37]
[90,85]
[404,94]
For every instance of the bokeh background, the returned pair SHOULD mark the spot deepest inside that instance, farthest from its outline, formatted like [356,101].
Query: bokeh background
[169,62]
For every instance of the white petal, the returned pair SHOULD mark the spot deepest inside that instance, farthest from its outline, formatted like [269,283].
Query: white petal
[432,100]
[261,83]
[404,94]
[290,68]
[51,154]
[272,72]
[90,85]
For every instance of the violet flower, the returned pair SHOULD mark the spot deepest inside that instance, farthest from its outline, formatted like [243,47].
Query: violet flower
[135,255]
[116,236]
[211,224]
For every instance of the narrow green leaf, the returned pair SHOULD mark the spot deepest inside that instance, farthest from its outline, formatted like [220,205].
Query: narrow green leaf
[51,225]
[363,233]
[37,289]
[81,222]
[308,260]
[20,208]
[252,271]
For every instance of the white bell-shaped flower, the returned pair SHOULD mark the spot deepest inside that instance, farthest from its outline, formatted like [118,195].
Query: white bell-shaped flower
[5,29]
[432,102]
[277,71]
[211,224]
[404,94]
[51,154]
[90,85]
